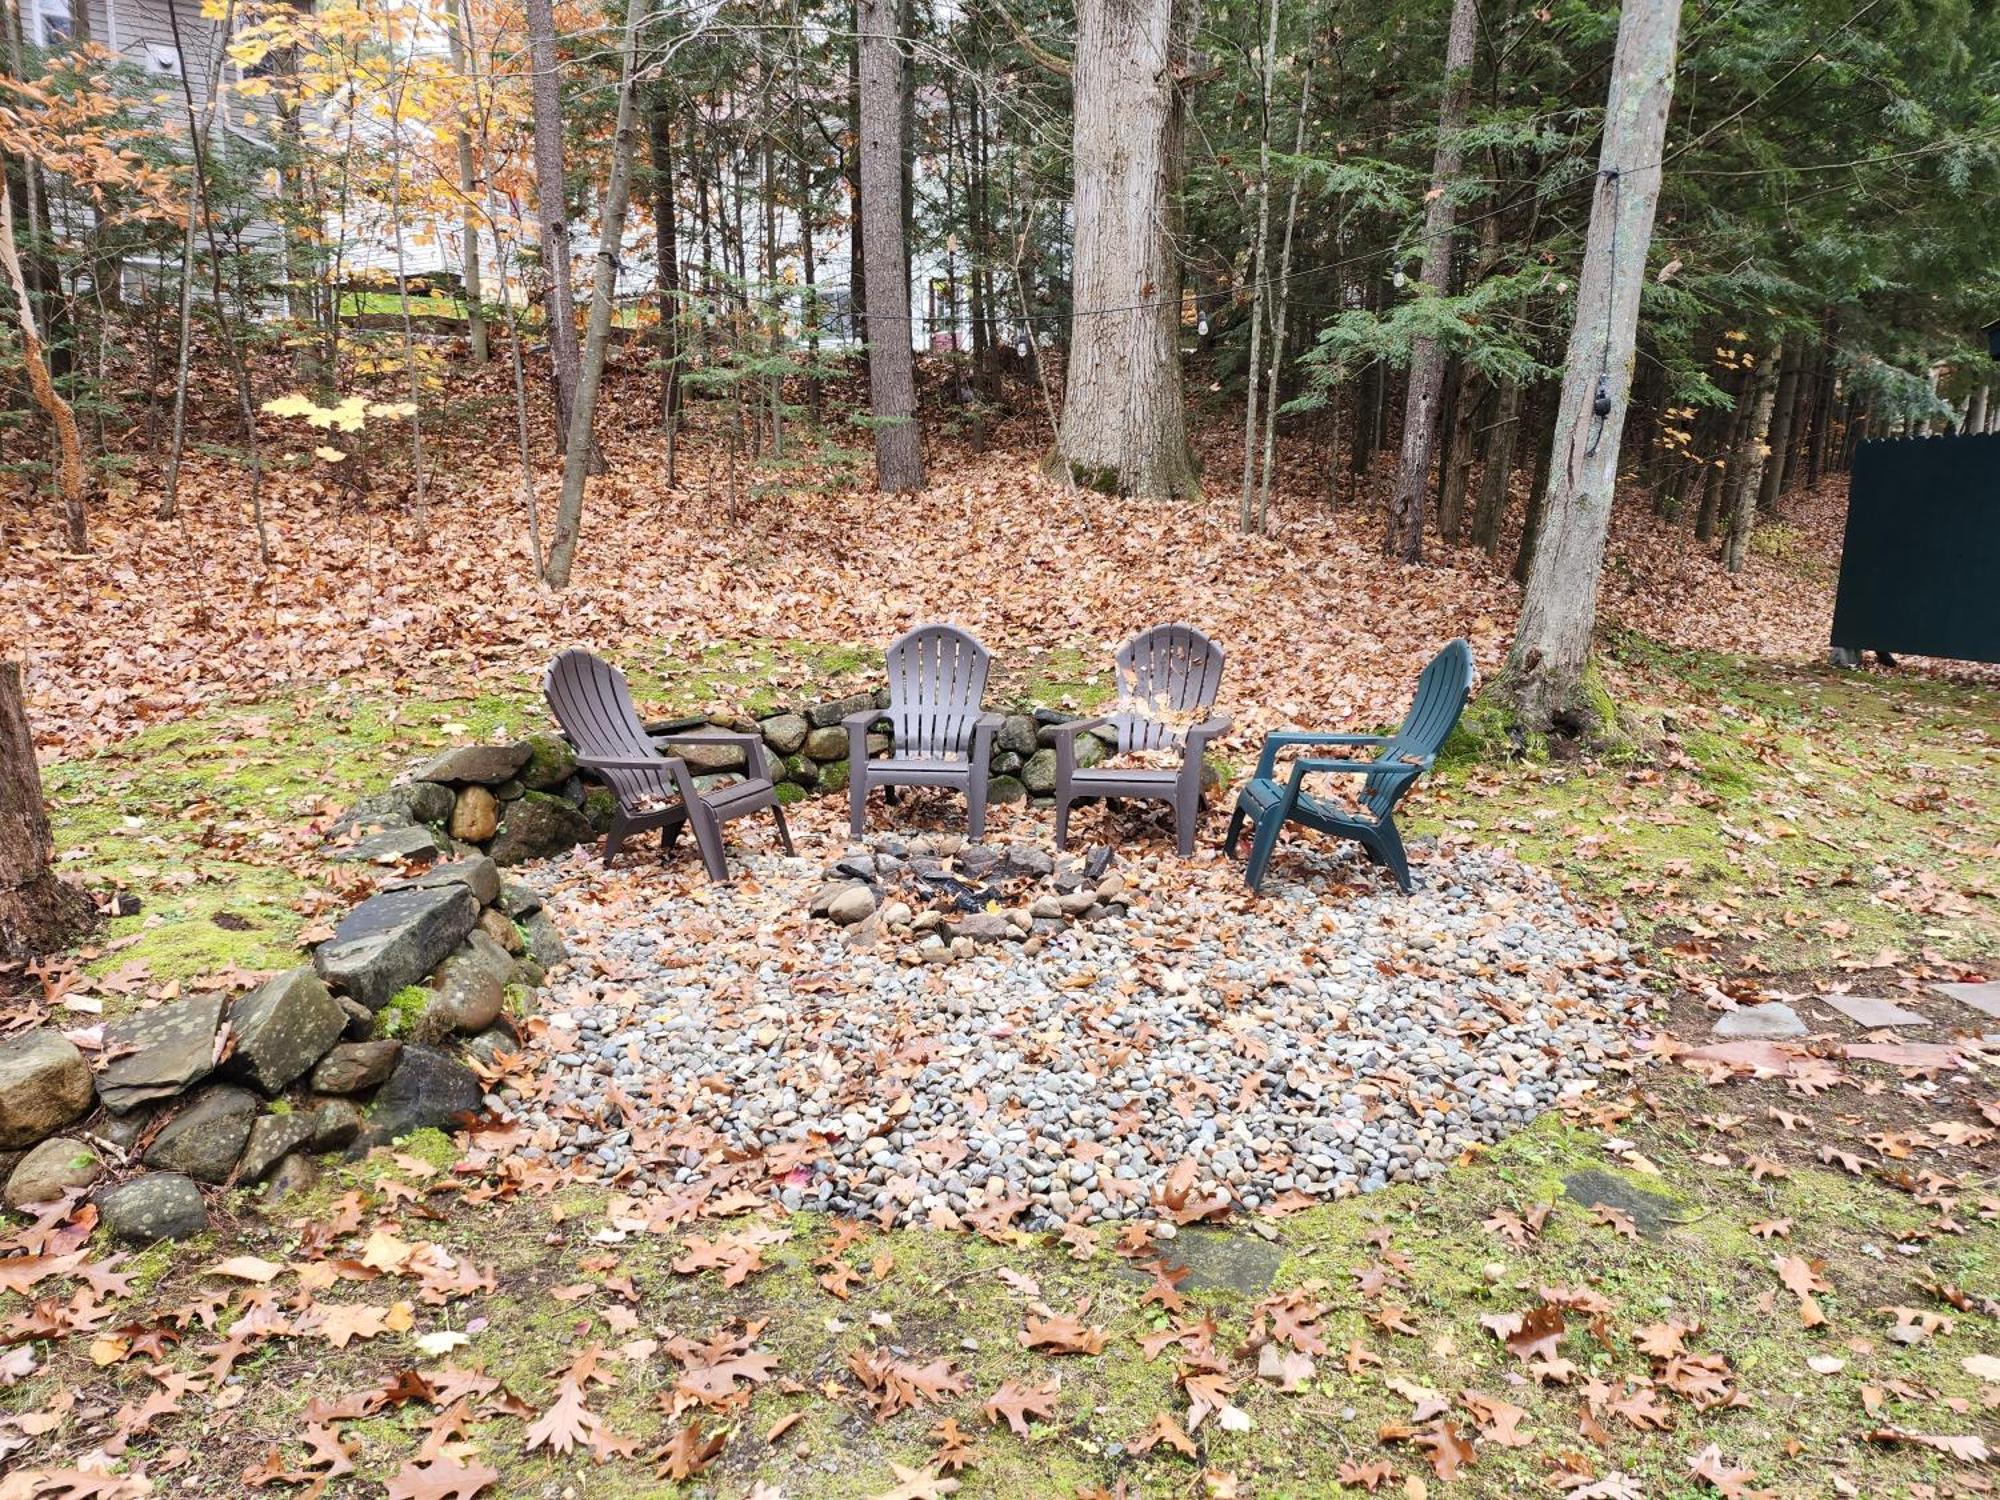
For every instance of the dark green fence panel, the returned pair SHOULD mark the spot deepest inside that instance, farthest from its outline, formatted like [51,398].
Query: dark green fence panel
[1920,569]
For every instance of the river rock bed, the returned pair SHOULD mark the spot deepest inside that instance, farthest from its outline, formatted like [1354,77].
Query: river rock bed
[1330,1038]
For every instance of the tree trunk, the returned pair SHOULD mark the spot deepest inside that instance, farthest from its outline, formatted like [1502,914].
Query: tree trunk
[1278,323]
[62,417]
[604,285]
[1247,519]
[1499,471]
[1405,536]
[1124,420]
[552,216]
[1975,412]
[1751,458]
[892,391]
[1783,408]
[38,913]
[475,312]
[666,251]
[1544,674]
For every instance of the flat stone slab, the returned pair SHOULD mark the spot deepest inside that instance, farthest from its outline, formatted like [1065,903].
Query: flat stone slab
[166,1049]
[282,1028]
[478,875]
[1983,997]
[1866,1011]
[1652,1214]
[1220,1261]
[1770,1021]
[486,765]
[393,846]
[394,939]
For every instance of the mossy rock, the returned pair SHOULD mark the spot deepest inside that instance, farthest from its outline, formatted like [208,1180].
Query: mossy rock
[600,806]
[551,762]
[833,776]
[402,1017]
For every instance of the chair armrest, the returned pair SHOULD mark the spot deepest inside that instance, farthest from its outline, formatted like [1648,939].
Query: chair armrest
[1209,728]
[1301,769]
[1267,758]
[1065,737]
[863,717]
[989,720]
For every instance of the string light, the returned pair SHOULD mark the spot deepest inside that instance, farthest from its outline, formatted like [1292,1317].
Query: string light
[1202,327]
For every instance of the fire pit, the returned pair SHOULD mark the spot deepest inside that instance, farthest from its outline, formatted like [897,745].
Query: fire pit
[941,897]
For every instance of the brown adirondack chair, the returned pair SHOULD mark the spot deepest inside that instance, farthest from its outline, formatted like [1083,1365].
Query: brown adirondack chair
[1173,671]
[939,734]
[654,790]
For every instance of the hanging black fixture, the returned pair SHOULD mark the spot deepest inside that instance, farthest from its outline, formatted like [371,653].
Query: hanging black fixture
[1993,338]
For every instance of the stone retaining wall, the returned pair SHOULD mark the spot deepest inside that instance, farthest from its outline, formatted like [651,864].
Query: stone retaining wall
[353,1050]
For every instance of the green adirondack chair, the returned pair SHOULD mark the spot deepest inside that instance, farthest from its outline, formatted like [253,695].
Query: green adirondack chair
[1400,758]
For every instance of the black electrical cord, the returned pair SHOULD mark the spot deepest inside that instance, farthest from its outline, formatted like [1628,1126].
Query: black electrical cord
[1600,406]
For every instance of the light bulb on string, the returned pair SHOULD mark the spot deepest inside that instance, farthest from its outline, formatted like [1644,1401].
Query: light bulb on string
[1202,327]
[1021,348]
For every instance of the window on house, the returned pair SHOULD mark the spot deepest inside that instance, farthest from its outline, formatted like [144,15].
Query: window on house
[51,23]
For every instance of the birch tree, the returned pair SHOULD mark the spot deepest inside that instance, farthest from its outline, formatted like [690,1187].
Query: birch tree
[1544,678]
[604,285]
[552,215]
[1124,421]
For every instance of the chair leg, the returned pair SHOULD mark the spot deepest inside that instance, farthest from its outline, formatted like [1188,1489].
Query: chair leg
[1062,823]
[1235,830]
[784,833]
[1261,846]
[1389,851]
[975,808]
[1187,813]
[708,839]
[614,840]
[857,800]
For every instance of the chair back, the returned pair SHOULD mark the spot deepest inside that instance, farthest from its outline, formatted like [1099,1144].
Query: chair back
[589,698]
[1167,676]
[1441,695]
[937,681]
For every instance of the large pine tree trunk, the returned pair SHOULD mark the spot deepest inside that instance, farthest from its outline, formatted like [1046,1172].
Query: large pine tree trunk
[1544,674]
[38,913]
[1124,422]
[1405,537]
[1783,408]
[892,390]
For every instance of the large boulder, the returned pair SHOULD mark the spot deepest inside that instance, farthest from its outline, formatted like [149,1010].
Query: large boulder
[1039,774]
[826,744]
[517,900]
[475,815]
[393,846]
[1017,734]
[537,825]
[477,874]
[784,733]
[272,1139]
[393,939]
[44,1084]
[428,1088]
[709,756]
[550,762]
[204,1139]
[157,1053]
[471,985]
[355,1067]
[158,1206]
[488,765]
[58,1166]
[545,944]
[396,807]
[282,1028]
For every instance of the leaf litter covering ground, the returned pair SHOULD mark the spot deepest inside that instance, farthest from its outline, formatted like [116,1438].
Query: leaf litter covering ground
[168,616]
[1204,1050]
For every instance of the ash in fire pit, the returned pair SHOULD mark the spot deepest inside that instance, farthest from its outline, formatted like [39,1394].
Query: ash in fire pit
[940,897]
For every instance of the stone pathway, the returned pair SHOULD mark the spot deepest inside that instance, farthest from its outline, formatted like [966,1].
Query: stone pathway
[1332,1037]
